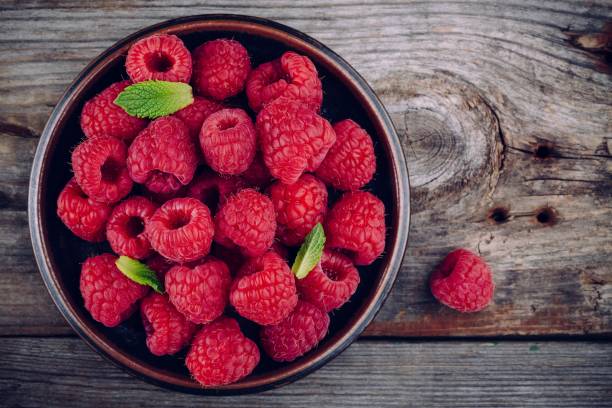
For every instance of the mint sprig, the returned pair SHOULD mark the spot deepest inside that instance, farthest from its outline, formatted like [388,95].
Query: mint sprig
[310,252]
[139,273]
[152,99]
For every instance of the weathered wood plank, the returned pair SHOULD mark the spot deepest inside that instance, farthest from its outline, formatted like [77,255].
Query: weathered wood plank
[475,88]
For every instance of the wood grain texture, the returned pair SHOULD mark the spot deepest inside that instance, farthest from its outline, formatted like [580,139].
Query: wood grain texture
[474,88]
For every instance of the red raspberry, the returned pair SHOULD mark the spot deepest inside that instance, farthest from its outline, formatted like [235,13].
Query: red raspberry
[293,139]
[99,166]
[247,220]
[194,115]
[213,190]
[463,281]
[350,163]
[159,265]
[109,295]
[228,141]
[292,76]
[163,156]
[84,217]
[220,68]
[356,224]
[125,228]
[220,354]
[331,283]
[159,57]
[199,293]
[167,330]
[264,289]
[257,175]
[101,117]
[181,230]
[299,207]
[297,334]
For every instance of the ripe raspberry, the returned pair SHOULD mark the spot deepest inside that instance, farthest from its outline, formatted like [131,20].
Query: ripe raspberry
[292,76]
[86,218]
[257,175]
[101,117]
[297,334]
[163,156]
[350,163]
[264,289]
[220,354]
[356,224]
[293,139]
[213,190]
[159,57]
[99,166]
[299,207]
[125,227]
[220,68]
[331,283]
[463,281]
[247,220]
[181,230]
[167,330]
[159,265]
[109,295]
[194,115]
[228,141]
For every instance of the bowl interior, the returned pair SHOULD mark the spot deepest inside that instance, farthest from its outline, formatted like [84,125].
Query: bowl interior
[63,253]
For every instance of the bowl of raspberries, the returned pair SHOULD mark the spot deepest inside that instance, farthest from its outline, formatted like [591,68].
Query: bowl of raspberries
[219,204]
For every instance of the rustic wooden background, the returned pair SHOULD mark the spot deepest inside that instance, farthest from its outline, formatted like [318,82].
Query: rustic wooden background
[505,114]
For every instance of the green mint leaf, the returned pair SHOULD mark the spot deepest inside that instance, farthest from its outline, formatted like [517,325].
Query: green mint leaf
[139,273]
[152,99]
[310,252]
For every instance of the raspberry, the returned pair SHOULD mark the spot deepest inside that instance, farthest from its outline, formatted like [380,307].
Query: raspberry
[299,207]
[247,220]
[194,115]
[220,68]
[109,295]
[181,230]
[212,189]
[125,227]
[356,224]
[257,175]
[331,283]
[199,293]
[220,354]
[264,289]
[350,163]
[297,334]
[159,57]
[228,141]
[463,281]
[99,166]
[101,117]
[167,330]
[293,139]
[163,156]
[86,218]
[292,76]
[159,265]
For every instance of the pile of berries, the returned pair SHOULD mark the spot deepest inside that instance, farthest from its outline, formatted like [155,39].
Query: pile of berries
[210,197]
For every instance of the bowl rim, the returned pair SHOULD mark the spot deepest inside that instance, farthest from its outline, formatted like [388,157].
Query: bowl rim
[396,243]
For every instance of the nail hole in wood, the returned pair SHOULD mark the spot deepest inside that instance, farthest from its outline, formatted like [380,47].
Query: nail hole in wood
[543,151]
[546,216]
[499,215]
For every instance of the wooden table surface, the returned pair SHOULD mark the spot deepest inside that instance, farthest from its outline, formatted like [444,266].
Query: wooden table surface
[505,113]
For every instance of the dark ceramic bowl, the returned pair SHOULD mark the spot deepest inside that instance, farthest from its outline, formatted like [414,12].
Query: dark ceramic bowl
[59,254]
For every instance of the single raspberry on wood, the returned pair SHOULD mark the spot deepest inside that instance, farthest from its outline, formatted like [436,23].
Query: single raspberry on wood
[101,117]
[293,139]
[181,230]
[99,166]
[160,57]
[125,227]
[296,335]
[212,189]
[299,207]
[220,354]
[167,330]
[108,294]
[199,293]
[194,115]
[463,281]
[356,225]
